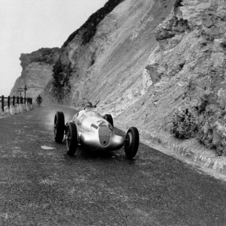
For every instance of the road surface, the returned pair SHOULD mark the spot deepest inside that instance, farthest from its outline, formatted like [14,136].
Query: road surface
[41,185]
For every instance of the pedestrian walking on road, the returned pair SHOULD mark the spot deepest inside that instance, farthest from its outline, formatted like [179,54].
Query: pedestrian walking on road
[39,100]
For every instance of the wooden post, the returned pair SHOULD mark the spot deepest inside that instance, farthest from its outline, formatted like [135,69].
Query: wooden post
[2,103]
[14,100]
[8,101]
[18,100]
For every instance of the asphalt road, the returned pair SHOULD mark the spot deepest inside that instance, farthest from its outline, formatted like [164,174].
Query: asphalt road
[43,186]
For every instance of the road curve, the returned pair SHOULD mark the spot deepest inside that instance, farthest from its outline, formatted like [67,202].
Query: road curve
[41,185]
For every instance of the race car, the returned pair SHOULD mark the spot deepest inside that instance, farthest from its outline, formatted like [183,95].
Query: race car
[93,131]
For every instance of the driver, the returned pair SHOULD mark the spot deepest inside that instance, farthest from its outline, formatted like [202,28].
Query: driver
[89,106]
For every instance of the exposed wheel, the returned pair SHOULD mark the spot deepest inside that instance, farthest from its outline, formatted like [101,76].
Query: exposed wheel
[109,118]
[59,127]
[71,138]
[131,142]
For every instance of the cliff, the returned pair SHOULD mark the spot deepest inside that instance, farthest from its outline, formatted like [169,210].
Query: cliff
[109,64]
[157,65]
[36,71]
[187,97]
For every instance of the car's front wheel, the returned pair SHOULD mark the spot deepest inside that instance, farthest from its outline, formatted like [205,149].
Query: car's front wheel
[131,142]
[71,138]
[59,126]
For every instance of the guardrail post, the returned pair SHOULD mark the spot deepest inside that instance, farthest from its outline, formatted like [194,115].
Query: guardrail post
[8,101]
[14,100]
[18,100]
[2,103]
[29,100]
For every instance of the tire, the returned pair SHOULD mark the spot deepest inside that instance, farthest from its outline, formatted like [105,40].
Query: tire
[131,142]
[71,138]
[109,118]
[59,127]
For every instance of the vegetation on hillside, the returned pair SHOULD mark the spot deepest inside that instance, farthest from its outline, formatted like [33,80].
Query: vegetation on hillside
[88,29]
[61,80]
[203,118]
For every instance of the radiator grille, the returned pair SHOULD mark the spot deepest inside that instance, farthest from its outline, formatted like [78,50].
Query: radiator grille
[104,135]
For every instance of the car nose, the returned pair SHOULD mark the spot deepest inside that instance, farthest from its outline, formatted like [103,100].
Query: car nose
[104,135]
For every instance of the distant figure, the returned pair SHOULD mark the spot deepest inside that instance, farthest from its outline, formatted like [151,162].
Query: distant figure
[39,100]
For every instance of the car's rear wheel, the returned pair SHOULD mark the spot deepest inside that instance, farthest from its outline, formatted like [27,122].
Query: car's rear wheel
[59,127]
[71,138]
[131,142]
[109,118]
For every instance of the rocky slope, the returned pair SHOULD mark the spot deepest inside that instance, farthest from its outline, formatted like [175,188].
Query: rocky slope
[109,66]
[36,71]
[158,65]
[187,97]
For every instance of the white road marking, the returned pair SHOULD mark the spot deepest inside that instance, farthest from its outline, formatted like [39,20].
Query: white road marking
[47,148]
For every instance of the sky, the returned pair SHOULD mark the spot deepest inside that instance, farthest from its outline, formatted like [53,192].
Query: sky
[28,25]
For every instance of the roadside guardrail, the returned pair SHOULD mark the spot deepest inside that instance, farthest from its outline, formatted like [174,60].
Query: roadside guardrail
[15,104]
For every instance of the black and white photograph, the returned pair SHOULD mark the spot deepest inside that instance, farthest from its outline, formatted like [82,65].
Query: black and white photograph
[113,113]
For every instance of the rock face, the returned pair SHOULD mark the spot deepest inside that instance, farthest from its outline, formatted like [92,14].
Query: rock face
[110,66]
[37,71]
[157,65]
[187,68]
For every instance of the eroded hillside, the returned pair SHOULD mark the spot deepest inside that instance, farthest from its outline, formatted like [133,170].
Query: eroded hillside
[36,71]
[187,97]
[110,66]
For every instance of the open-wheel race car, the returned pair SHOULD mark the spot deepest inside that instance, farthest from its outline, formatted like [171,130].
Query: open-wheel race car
[93,131]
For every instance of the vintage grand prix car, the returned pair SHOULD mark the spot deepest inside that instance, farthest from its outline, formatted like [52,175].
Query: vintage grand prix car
[93,131]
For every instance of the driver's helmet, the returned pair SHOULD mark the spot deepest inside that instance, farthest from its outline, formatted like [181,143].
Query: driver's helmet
[88,105]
